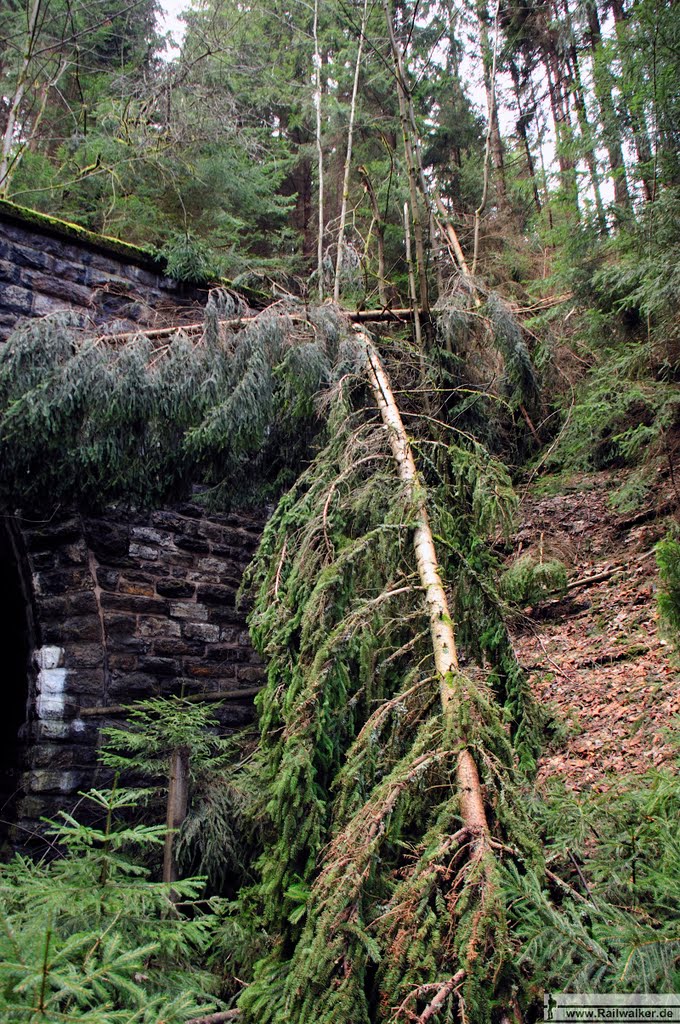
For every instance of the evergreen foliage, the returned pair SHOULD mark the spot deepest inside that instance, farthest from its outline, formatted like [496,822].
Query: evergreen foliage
[87,936]
[610,923]
[530,581]
[352,765]
[668,561]
[215,838]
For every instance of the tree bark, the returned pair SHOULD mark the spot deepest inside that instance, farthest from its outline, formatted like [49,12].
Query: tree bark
[348,156]
[379,234]
[19,90]
[441,624]
[494,144]
[178,800]
[610,127]
[524,119]
[403,98]
[319,151]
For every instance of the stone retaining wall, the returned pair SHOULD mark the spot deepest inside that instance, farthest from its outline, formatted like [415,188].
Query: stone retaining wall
[123,607]
[47,266]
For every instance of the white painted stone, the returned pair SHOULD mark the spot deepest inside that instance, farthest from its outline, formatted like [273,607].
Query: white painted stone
[49,657]
[78,726]
[51,683]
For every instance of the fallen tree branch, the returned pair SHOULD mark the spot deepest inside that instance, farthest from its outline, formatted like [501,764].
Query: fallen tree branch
[216,1018]
[114,710]
[356,316]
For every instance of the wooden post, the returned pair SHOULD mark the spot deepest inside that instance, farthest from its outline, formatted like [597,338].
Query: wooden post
[178,800]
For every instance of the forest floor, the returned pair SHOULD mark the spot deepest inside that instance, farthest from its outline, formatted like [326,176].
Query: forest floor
[596,656]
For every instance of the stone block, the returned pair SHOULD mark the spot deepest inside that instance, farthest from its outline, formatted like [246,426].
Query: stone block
[189,610]
[155,626]
[146,535]
[83,603]
[53,535]
[119,625]
[44,305]
[216,593]
[86,627]
[83,656]
[108,540]
[58,581]
[17,300]
[227,616]
[57,287]
[123,662]
[130,603]
[9,273]
[181,647]
[194,544]
[227,653]
[159,666]
[250,674]
[136,589]
[169,587]
[107,578]
[143,551]
[201,631]
[128,686]
[86,680]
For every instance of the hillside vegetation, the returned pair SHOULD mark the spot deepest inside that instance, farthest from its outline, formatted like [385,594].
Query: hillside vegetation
[459,794]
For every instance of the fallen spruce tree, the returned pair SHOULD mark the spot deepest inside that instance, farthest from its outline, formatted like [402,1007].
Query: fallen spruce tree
[394,873]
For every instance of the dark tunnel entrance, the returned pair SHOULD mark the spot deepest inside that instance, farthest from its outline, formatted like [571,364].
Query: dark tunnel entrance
[15,644]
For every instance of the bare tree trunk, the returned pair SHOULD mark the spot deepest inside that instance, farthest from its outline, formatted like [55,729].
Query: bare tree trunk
[582,116]
[544,173]
[178,801]
[635,109]
[441,623]
[559,105]
[404,98]
[348,156]
[19,91]
[494,142]
[611,132]
[417,327]
[523,120]
[379,234]
[319,149]
[492,127]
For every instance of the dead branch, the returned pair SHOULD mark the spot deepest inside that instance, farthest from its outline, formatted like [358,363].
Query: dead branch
[113,710]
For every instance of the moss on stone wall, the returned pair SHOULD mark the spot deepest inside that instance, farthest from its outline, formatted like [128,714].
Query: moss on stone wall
[147,257]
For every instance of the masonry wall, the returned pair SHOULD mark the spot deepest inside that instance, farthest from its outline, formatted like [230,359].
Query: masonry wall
[127,606]
[44,270]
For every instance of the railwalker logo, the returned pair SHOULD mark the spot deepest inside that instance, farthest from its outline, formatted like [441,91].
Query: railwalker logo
[633,1008]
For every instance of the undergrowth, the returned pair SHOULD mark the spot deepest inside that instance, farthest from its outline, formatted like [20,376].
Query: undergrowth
[608,921]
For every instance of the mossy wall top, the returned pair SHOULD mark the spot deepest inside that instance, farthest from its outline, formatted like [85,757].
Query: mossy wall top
[48,265]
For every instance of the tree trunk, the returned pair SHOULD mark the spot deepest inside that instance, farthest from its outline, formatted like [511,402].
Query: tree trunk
[441,624]
[403,99]
[19,90]
[559,105]
[348,156]
[494,140]
[587,142]
[319,150]
[523,121]
[178,800]
[379,234]
[610,128]
[635,109]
